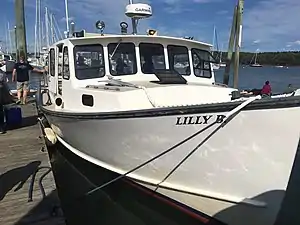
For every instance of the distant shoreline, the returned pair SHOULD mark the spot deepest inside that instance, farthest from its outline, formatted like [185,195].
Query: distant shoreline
[268,58]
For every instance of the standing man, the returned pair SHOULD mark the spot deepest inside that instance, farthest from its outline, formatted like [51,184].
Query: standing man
[22,69]
[5,98]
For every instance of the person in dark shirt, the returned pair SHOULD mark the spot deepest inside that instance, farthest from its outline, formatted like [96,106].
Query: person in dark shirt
[22,69]
[4,99]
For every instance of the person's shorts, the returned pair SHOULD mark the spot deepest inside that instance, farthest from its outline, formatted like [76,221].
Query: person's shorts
[23,86]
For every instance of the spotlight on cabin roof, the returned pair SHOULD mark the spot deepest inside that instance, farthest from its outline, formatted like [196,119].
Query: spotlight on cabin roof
[151,32]
[100,25]
[189,38]
[124,27]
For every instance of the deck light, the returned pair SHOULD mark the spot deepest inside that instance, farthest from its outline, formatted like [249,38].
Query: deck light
[100,25]
[124,27]
[151,32]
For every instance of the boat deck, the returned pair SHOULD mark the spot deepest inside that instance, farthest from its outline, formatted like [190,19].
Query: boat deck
[20,157]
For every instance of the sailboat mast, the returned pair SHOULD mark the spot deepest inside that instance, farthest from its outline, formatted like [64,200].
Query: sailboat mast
[39,28]
[9,38]
[67,19]
[51,28]
[214,36]
[6,39]
[47,26]
[35,29]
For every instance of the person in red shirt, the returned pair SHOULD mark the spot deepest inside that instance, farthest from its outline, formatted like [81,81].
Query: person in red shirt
[266,90]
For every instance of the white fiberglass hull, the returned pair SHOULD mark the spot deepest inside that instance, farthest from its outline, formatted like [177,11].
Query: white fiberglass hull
[238,168]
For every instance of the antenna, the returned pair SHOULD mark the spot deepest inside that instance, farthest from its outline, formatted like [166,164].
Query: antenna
[136,12]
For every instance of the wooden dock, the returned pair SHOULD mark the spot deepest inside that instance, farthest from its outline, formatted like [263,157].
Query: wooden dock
[20,157]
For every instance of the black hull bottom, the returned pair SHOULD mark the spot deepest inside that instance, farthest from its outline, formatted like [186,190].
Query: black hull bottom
[122,202]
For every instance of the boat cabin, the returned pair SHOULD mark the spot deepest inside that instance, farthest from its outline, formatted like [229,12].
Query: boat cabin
[87,62]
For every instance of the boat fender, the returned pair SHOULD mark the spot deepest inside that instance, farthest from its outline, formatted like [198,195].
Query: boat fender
[58,101]
[50,136]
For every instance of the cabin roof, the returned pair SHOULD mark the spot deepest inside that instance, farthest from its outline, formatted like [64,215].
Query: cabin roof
[165,38]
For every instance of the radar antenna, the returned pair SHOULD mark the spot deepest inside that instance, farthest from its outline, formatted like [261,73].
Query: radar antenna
[137,11]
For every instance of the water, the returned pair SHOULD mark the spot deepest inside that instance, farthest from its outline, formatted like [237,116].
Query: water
[249,78]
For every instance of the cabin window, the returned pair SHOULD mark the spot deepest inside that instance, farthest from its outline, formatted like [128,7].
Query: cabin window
[52,62]
[89,61]
[122,59]
[202,63]
[66,70]
[152,57]
[179,59]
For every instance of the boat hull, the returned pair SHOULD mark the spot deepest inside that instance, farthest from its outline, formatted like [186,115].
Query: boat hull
[123,202]
[232,169]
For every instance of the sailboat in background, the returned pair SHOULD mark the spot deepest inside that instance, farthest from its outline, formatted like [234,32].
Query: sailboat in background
[215,52]
[44,39]
[255,64]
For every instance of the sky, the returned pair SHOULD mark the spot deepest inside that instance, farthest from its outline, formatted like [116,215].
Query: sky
[268,25]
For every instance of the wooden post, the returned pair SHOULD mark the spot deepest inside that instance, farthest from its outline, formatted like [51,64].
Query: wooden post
[230,48]
[20,29]
[240,9]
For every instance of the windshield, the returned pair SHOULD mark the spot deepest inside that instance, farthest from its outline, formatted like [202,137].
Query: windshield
[152,57]
[202,63]
[179,59]
[123,59]
[89,61]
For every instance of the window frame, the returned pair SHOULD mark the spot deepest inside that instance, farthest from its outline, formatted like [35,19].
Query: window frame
[102,55]
[188,56]
[67,76]
[135,69]
[149,43]
[208,61]
[52,63]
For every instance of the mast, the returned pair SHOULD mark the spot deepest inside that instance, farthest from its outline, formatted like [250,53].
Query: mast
[36,29]
[51,28]
[67,19]
[47,26]
[214,36]
[6,40]
[134,21]
[9,38]
[39,28]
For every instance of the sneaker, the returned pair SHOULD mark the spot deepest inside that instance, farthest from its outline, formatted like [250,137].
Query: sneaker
[18,101]
[2,130]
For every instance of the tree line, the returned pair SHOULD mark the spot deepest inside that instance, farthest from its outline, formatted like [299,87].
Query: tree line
[291,58]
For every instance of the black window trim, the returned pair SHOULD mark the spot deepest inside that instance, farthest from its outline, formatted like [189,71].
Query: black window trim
[163,46]
[63,70]
[210,62]
[173,45]
[85,45]
[135,58]
[52,72]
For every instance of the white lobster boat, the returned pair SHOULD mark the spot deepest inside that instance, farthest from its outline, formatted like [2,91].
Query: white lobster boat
[119,102]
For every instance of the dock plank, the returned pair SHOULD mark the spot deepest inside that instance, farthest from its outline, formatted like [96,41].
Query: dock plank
[20,156]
